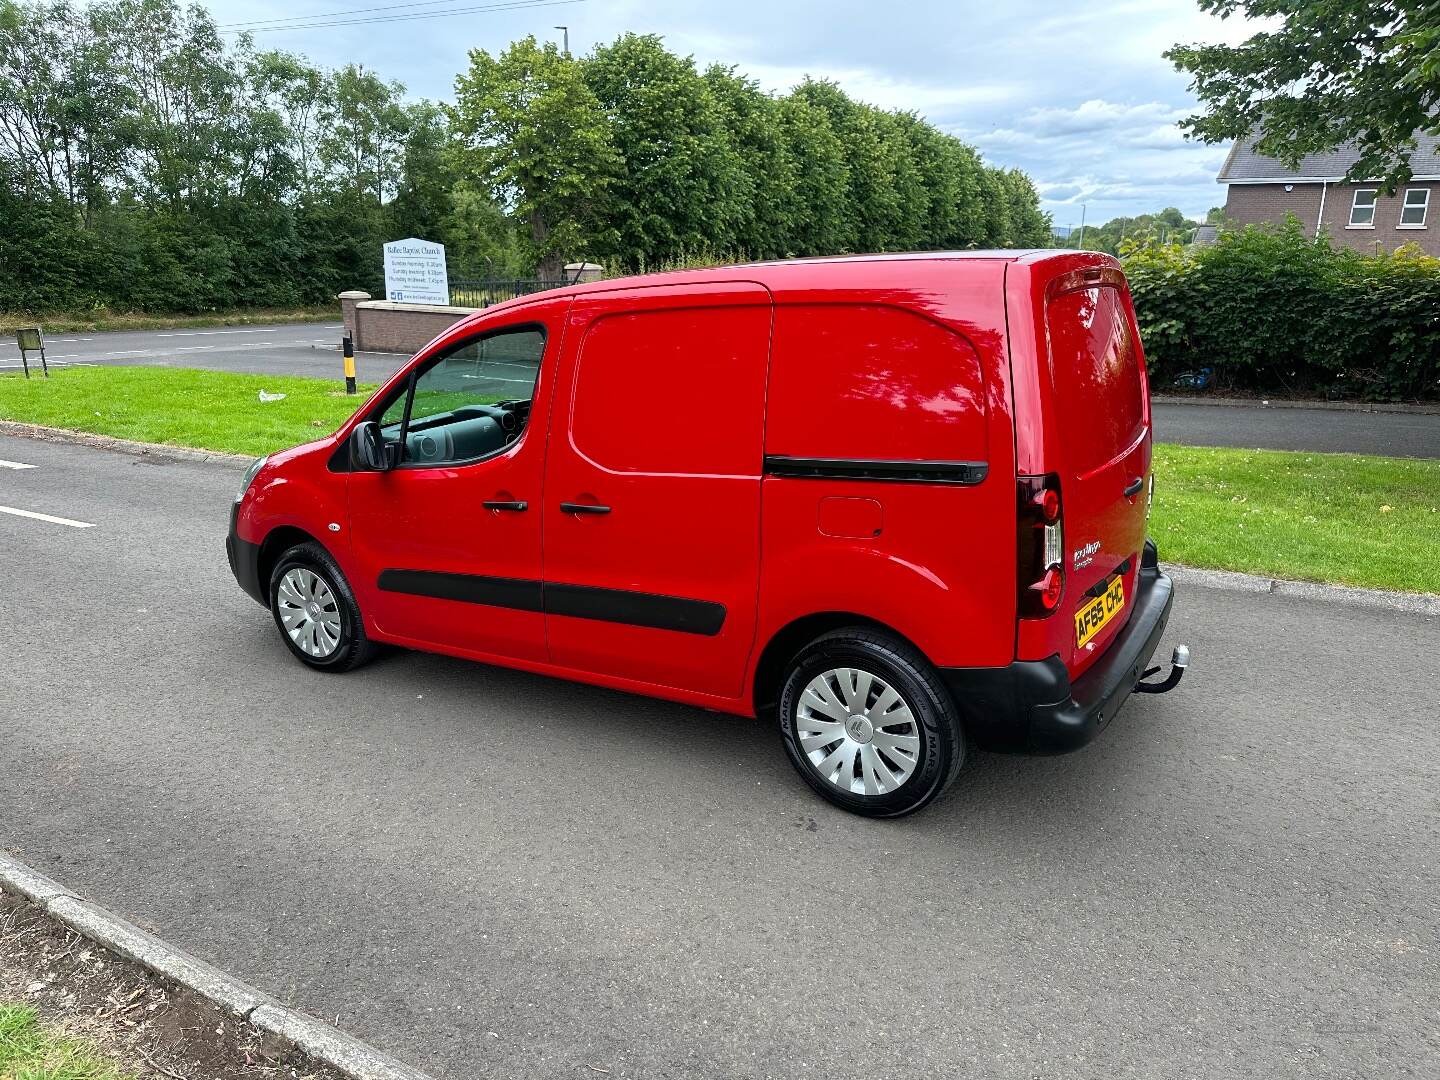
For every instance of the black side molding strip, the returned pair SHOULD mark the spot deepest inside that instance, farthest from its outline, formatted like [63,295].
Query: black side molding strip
[520,594]
[918,472]
[635,608]
[704,617]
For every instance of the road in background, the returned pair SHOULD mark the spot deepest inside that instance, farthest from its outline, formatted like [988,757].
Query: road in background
[294,349]
[314,349]
[1334,431]
[490,873]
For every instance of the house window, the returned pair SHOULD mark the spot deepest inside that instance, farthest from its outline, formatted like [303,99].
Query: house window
[1412,212]
[1362,210]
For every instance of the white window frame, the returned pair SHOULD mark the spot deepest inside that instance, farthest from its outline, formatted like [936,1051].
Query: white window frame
[1355,205]
[1423,205]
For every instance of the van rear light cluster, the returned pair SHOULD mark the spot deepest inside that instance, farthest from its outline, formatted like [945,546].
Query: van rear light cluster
[1039,545]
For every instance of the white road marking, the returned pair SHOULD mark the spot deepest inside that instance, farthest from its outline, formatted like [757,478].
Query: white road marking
[14,464]
[257,330]
[195,348]
[36,359]
[46,517]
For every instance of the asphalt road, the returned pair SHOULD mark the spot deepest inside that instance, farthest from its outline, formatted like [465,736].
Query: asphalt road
[295,349]
[494,874]
[1314,430]
[314,349]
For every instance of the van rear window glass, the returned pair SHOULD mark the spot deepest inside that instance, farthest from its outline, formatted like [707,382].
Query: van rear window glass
[676,391]
[872,381]
[1099,390]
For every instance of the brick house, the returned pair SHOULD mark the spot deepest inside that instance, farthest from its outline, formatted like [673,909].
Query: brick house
[1359,216]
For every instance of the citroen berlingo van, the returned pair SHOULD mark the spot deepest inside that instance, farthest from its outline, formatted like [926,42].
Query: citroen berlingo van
[897,502]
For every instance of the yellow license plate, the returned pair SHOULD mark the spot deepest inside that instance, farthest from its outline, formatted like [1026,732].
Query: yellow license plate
[1091,618]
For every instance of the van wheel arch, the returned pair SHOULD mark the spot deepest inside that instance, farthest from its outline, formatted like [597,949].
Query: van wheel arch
[791,638]
[278,541]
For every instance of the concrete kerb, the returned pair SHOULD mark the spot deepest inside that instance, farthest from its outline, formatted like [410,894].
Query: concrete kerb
[1410,603]
[123,446]
[321,1041]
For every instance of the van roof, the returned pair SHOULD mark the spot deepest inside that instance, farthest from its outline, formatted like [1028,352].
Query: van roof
[784,272]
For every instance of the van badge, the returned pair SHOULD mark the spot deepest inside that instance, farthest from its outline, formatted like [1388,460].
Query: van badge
[1085,555]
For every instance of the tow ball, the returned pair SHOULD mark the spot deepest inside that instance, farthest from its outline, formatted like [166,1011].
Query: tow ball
[1178,663]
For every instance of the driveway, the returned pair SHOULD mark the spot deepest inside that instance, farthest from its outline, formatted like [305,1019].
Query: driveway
[494,874]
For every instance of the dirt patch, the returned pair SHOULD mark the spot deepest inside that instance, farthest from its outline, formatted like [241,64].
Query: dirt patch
[146,1023]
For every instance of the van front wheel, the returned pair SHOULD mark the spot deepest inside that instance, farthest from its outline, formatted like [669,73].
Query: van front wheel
[316,611]
[867,724]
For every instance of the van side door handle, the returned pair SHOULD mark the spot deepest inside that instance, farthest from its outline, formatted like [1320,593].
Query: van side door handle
[583,508]
[1133,488]
[505,504]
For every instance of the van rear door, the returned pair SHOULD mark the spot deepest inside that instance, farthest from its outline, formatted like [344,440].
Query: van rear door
[1102,423]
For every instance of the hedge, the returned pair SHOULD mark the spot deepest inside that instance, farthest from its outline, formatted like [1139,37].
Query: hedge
[1270,309]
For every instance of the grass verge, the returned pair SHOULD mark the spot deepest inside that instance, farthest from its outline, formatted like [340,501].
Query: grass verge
[29,1050]
[61,322]
[210,410]
[1342,518]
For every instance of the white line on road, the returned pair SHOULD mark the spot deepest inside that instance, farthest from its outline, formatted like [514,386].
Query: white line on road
[46,517]
[195,348]
[14,464]
[257,330]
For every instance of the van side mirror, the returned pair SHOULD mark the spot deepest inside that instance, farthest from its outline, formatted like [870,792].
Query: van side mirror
[368,452]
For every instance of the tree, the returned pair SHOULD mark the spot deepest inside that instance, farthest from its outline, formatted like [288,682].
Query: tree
[767,201]
[1334,71]
[530,130]
[679,188]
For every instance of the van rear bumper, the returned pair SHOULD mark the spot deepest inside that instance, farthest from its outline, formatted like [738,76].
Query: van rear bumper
[1031,706]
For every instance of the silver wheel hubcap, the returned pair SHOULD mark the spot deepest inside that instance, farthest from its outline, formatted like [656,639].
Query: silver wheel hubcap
[309,612]
[857,732]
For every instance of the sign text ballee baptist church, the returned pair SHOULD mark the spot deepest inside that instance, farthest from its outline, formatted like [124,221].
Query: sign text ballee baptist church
[415,272]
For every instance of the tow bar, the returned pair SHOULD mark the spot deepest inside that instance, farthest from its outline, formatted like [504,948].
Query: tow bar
[1178,663]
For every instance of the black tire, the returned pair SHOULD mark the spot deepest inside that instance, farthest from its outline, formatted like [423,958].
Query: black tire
[353,647]
[940,746]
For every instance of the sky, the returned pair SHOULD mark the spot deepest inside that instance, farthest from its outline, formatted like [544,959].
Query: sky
[1076,95]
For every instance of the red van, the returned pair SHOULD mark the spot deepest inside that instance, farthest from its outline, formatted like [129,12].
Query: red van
[898,501]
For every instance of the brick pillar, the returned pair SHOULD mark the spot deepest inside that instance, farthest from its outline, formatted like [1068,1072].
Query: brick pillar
[348,300]
[586,271]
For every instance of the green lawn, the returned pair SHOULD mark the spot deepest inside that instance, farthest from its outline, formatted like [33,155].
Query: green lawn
[1346,518]
[212,410]
[30,1052]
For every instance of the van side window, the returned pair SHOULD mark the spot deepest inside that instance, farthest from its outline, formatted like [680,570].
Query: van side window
[678,391]
[470,402]
[867,381]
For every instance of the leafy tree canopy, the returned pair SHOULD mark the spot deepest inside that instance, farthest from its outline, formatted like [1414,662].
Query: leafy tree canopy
[1331,72]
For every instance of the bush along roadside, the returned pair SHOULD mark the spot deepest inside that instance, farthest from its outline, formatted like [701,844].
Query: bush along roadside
[1274,310]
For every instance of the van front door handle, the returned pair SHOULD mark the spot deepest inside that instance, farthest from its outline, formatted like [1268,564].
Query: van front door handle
[584,508]
[505,504]
[1133,488]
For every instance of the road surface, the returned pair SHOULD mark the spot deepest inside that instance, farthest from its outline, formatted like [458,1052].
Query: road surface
[495,874]
[295,349]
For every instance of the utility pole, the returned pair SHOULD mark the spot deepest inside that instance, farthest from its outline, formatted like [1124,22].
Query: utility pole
[566,31]
[1082,226]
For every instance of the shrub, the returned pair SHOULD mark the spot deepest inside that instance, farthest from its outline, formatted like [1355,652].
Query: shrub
[1270,308]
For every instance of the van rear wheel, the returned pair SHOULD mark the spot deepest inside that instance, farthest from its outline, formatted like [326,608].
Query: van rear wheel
[868,725]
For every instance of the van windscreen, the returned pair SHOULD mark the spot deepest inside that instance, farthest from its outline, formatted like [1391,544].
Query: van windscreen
[1099,388]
